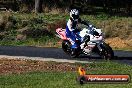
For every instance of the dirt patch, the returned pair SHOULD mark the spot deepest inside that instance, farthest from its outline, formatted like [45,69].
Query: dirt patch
[15,66]
[119,43]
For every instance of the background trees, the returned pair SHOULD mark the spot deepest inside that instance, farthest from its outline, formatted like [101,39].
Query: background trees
[38,6]
[86,6]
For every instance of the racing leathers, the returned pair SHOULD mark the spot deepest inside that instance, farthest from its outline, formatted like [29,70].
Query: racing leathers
[71,31]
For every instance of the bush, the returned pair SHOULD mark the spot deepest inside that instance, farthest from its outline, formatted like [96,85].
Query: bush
[3,21]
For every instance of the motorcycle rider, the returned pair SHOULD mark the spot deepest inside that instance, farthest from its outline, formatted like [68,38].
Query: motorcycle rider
[71,28]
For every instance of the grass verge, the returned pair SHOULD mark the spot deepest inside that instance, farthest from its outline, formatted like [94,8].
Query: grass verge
[62,78]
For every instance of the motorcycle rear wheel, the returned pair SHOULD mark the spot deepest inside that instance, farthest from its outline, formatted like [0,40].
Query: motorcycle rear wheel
[66,46]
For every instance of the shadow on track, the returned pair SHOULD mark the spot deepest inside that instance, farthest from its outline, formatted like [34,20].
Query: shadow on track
[124,57]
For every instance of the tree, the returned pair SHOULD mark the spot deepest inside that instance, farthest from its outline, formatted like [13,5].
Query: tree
[38,6]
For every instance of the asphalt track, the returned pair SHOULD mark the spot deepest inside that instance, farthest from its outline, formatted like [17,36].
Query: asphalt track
[57,53]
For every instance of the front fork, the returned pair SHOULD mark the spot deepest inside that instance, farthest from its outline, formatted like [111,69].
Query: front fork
[99,45]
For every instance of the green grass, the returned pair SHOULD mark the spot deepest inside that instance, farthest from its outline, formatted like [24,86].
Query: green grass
[65,79]
[43,41]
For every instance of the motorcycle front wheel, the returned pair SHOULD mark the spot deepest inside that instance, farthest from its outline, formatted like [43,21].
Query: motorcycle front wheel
[106,52]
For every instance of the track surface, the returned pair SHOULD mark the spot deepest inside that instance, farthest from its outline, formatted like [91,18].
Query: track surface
[56,53]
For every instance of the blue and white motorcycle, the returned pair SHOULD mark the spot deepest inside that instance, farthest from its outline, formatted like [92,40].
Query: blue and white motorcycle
[91,41]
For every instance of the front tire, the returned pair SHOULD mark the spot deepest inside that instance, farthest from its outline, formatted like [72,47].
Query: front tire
[107,52]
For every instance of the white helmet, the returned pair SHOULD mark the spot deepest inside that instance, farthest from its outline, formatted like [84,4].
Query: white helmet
[74,14]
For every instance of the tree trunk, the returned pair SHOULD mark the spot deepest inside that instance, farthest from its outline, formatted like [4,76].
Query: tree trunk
[38,6]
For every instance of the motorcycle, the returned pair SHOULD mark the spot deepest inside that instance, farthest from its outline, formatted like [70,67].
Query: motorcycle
[91,41]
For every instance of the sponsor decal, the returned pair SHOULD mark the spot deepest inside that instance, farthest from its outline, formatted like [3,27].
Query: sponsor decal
[101,78]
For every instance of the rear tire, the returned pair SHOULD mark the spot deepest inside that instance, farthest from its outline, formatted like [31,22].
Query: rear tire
[76,53]
[66,46]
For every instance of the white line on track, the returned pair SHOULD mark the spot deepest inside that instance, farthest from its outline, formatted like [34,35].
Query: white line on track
[42,59]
